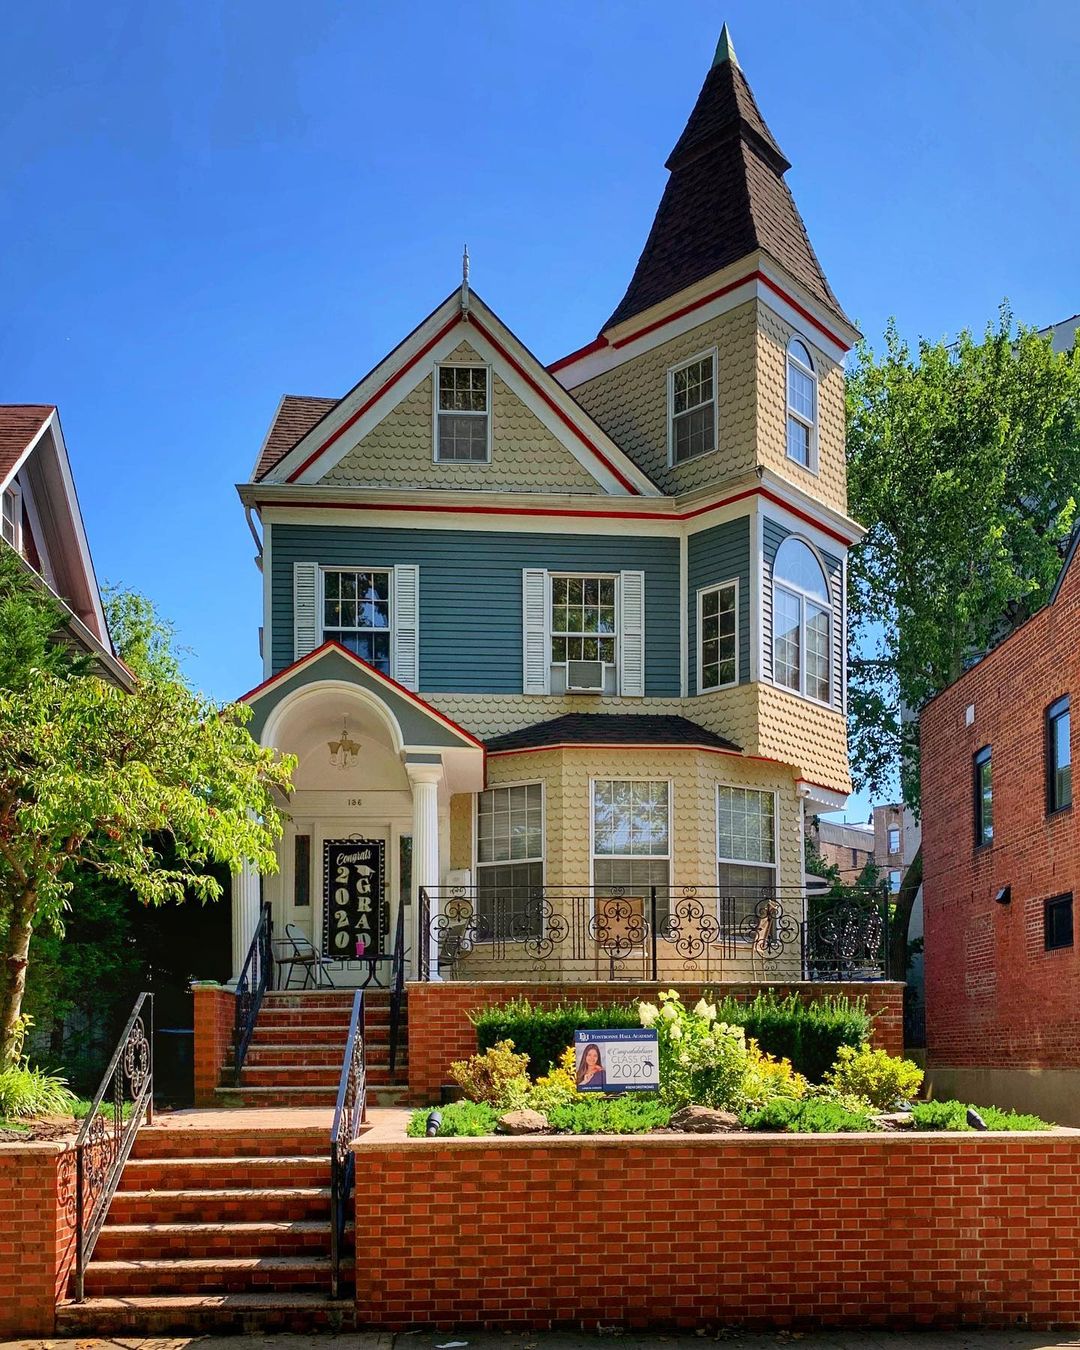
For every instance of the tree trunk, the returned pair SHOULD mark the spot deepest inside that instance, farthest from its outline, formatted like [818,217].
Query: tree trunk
[13,978]
[901,918]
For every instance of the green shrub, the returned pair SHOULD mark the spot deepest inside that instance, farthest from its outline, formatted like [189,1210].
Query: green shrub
[458,1119]
[702,1059]
[33,1092]
[953,1116]
[610,1115]
[813,1115]
[808,1034]
[543,1033]
[497,1077]
[880,1079]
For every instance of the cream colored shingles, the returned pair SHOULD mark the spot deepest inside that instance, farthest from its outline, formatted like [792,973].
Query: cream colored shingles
[813,738]
[525,456]
[461,816]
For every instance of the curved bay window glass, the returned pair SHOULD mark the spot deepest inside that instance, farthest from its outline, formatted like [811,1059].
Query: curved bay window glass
[801,621]
[356,613]
[801,404]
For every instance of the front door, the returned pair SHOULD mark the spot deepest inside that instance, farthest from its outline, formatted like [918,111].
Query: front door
[356,874]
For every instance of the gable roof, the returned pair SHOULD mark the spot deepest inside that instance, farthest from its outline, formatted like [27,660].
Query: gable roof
[20,426]
[725,198]
[328,439]
[629,729]
[296,415]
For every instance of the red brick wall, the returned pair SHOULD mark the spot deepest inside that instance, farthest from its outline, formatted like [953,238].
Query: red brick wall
[440,1030]
[994,996]
[884,1230]
[215,1013]
[37,1246]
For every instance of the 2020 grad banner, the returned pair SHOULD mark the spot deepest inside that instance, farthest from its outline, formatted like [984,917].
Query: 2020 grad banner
[354,897]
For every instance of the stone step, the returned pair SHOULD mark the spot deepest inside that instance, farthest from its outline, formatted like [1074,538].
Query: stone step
[224,1204]
[296,1074]
[323,1055]
[284,1097]
[216,1275]
[205,1314]
[211,1173]
[160,1241]
[166,1141]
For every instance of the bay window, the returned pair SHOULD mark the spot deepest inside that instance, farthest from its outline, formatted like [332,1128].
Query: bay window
[802,621]
[745,847]
[510,861]
[631,841]
[718,615]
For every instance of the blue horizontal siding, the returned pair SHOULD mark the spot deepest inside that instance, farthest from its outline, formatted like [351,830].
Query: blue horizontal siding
[713,556]
[470,594]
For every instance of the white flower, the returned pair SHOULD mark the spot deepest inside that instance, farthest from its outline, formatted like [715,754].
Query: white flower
[701,1008]
[670,1012]
[684,1058]
[676,1033]
[648,1012]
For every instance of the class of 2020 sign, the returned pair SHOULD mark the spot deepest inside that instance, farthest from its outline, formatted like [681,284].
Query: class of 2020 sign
[354,897]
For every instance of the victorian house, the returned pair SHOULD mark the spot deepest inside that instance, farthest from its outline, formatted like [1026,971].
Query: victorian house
[542,635]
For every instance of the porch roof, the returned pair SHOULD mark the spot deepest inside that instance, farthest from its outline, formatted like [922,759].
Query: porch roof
[652,729]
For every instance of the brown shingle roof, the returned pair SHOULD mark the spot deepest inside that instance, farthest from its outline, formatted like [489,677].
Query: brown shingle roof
[611,729]
[295,417]
[725,198]
[19,424]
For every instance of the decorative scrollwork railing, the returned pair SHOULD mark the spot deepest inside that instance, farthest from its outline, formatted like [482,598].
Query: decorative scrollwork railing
[255,979]
[105,1139]
[349,1114]
[397,987]
[647,933]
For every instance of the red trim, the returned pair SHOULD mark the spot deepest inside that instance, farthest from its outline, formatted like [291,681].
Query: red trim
[387,384]
[568,512]
[596,345]
[562,416]
[799,309]
[331,645]
[686,309]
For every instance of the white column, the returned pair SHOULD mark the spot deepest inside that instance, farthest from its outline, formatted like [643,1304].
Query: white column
[427,872]
[245,915]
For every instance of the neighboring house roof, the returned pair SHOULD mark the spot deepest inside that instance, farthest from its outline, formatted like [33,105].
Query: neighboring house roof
[726,197]
[20,426]
[611,729]
[295,417]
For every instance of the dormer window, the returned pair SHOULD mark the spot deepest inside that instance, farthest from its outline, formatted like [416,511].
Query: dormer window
[801,406]
[692,408]
[462,415]
[12,523]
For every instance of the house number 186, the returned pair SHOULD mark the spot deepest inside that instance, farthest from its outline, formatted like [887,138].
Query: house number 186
[354,801]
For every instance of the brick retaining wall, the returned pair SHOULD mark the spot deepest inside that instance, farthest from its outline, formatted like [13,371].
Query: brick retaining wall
[215,1015]
[37,1236]
[762,1231]
[440,1030]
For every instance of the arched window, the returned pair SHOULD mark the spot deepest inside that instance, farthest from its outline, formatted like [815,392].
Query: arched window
[801,621]
[801,405]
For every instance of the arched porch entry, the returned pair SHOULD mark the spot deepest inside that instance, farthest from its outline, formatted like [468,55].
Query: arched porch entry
[368,821]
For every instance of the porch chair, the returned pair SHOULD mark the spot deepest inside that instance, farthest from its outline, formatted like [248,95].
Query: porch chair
[304,957]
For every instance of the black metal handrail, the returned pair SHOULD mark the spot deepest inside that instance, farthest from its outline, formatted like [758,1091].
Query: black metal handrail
[105,1139]
[397,986]
[255,977]
[349,1114]
[652,932]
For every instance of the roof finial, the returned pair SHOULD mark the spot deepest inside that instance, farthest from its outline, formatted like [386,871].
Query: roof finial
[725,49]
[465,280]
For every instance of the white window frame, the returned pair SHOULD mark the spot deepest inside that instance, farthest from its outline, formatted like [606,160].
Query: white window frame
[488,415]
[13,494]
[703,591]
[747,862]
[803,597]
[388,630]
[892,830]
[710,354]
[510,862]
[667,857]
[811,424]
[560,575]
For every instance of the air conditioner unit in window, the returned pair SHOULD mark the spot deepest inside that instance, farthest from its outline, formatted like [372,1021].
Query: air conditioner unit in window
[584,677]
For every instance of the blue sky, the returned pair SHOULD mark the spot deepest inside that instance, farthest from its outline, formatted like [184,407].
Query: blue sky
[204,207]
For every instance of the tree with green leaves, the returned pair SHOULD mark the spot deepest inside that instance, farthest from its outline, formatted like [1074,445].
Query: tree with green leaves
[95,777]
[964,466]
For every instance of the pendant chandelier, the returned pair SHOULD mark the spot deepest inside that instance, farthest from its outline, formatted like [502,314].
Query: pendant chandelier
[344,752]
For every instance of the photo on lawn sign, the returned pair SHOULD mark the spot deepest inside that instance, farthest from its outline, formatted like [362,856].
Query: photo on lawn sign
[622,1060]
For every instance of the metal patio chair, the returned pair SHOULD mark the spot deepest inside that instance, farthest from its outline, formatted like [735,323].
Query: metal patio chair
[305,958]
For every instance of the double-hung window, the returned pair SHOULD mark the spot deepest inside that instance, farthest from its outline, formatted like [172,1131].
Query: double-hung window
[802,621]
[462,415]
[1058,923]
[631,834]
[718,644]
[357,613]
[1058,756]
[12,516]
[745,847]
[801,405]
[584,628]
[984,797]
[510,862]
[692,408]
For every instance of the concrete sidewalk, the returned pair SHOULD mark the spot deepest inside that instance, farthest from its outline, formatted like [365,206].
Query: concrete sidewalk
[568,1340]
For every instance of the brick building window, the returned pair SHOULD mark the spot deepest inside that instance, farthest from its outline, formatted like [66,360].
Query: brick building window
[984,798]
[1058,756]
[1058,922]
[894,838]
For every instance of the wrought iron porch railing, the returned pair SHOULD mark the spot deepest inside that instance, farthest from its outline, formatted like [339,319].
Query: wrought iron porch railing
[349,1114]
[397,987]
[105,1139]
[255,979]
[650,933]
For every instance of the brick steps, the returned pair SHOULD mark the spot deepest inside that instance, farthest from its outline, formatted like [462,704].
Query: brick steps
[205,1241]
[205,1173]
[229,1205]
[155,1141]
[201,1314]
[215,1275]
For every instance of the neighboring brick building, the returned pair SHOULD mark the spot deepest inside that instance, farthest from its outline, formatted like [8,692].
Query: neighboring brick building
[1001,856]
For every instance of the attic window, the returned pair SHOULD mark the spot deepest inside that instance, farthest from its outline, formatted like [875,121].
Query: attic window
[462,415]
[692,408]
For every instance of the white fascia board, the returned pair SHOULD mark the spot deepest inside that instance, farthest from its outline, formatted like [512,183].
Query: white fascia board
[757,592]
[502,523]
[802,503]
[821,800]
